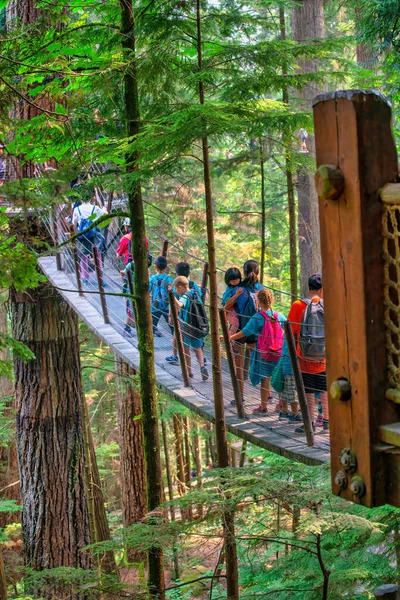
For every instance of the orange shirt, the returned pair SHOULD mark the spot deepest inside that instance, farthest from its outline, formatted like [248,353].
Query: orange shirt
[295,317]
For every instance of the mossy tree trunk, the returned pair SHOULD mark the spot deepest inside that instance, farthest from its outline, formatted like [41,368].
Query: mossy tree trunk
[50,443]
[148,392]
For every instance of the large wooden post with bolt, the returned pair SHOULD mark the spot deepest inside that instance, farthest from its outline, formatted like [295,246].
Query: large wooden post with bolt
[356,157]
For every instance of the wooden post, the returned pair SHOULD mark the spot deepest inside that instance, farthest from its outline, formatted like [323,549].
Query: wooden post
[164,249]
[204,280]
[231,364]
[353,134]
[178,338]
[308,428]
[387,592]
[77,270]
[99,276]
[56,241]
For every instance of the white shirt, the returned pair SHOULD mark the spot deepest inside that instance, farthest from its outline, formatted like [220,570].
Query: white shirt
[84,211]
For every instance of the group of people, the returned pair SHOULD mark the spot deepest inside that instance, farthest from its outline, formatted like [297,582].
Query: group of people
[255,328]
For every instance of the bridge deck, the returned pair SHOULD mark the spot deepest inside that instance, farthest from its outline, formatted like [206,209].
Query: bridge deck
[265,431]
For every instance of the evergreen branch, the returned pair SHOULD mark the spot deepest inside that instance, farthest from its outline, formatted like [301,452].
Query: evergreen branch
[63,118]
[179,585]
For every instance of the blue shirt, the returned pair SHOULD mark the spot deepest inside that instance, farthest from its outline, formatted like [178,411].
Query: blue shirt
[228,293]
[153,283]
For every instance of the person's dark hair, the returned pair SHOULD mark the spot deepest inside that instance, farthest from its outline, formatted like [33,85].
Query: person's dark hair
[232,273]
[315,282]
[251,271]
[161,263]
[183,269]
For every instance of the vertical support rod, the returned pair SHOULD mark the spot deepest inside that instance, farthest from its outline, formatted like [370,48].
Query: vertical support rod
[131,291]
[77,270]
[204,281]
[178,338]
[99,276]
[308,429]
[164,249]
[56,240]
[231,364]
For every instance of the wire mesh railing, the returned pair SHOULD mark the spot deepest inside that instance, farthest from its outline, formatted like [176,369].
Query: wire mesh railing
[267,389]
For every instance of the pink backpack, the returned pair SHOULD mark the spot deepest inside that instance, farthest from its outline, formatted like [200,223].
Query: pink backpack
[270,341]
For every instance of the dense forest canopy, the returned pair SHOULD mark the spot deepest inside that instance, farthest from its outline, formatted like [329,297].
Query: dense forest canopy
[192,119]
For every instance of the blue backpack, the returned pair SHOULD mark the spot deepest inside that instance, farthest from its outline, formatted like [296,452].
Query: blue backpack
[159,295]
[246,306]
[84,224]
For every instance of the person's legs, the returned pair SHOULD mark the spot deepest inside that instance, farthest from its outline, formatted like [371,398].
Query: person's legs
[200,356]
[264,392]
[156,317]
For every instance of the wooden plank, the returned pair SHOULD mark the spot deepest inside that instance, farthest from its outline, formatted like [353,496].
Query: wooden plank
[353,132]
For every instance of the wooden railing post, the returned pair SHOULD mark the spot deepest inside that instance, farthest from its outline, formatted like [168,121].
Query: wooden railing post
[308,428]
[77,269]
[204,280]
[178,338]
[99,276]
[231,364]
[56,241]
[164,249]
[387,592]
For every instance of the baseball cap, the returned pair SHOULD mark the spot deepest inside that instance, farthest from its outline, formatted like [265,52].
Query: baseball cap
[315,281]
[127,222]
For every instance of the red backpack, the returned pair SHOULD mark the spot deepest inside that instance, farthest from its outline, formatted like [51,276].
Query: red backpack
[270,341]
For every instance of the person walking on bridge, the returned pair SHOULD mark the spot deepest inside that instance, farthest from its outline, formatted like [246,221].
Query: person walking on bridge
[307,322]
[82,218]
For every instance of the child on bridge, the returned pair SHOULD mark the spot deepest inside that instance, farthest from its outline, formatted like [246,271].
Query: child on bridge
[266,326]
[159,284]
[190,337]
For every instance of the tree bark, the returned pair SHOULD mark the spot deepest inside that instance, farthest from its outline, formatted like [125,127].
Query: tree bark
[289,180]
[199,470]
[308,23]
[99,528]
[50,448]
[187,461]
[3,583]
[263,212]
[219,410]
[8,455]
[148,391]
[133,474]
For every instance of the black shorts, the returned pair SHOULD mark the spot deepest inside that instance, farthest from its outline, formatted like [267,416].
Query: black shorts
[314,382]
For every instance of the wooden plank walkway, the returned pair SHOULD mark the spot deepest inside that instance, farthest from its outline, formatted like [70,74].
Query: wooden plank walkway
[264,431]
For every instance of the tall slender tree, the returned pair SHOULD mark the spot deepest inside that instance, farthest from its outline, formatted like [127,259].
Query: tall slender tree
[148,391]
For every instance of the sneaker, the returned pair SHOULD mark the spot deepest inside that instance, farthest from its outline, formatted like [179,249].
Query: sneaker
[283,417]
[157,333]
[325,426]
[172,360]
[127,331]
[260,410]
[278,407]
[85,280]
[191,375]
[204,373]
[319,421]
[295,418]
[302,430]
[104,284]
[233,402]
[270,398]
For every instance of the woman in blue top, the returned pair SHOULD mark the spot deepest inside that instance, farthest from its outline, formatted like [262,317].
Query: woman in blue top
[260,369]
[244,302]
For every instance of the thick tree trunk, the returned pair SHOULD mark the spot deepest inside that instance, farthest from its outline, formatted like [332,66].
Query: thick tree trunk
[8,454]
[308,23]
[186,424]
[50,447]
[148,391]
[199,470]
[263,212]
[133,474]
